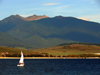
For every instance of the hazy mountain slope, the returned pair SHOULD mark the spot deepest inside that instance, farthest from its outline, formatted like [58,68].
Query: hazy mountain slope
[71,23]
[53,31]
[81,37]
[14,20]
[8,40]
[36,35]
[10,22]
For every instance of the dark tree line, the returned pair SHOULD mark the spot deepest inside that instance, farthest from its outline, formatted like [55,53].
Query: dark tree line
[47,55]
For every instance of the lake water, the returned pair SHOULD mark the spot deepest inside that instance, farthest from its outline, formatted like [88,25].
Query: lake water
[51,67]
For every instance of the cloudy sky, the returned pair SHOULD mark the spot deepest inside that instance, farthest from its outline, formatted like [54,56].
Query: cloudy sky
[89,9]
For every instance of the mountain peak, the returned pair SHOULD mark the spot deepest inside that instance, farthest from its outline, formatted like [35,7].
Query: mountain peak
[16,16]
[30,18]
[35,17]
[45,16]
[59,16]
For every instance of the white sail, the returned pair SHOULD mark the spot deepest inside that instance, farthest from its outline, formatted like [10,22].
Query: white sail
[22,58]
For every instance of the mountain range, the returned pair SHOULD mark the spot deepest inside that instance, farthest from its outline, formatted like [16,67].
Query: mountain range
[34,17]
[43,31]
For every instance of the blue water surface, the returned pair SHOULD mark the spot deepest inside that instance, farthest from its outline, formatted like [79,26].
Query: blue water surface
[51,67]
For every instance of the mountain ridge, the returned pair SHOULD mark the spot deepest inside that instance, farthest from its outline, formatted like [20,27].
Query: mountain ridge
[56,30]
[34,17]
[12,21]
[46,32]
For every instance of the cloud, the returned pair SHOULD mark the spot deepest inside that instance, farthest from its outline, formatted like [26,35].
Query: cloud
[26,15]
[83,18]
[51,4]
[95,18]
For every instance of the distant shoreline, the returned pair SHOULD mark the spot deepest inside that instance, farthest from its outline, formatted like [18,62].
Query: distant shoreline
[50,58]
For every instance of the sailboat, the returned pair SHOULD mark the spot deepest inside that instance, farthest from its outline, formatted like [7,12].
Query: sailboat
[21,61]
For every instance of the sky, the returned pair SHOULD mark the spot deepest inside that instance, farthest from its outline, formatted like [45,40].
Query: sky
[84,9]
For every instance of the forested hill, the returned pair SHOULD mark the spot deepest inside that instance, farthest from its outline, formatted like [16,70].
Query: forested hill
[53,31]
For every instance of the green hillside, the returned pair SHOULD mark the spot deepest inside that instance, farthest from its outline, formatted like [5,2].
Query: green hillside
[10,22]
[53,31]
[8,40]
[36,34]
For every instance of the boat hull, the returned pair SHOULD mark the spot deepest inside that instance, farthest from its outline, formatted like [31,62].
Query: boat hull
[20,65]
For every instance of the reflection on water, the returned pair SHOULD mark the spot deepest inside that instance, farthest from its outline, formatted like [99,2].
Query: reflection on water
[50,67]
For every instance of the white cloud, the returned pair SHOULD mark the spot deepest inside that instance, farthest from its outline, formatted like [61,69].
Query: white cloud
[26,15]
[95,18]
[51,4]
[83,18]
